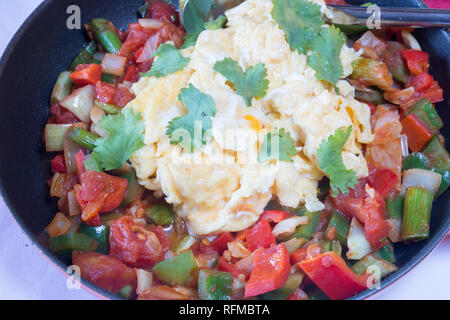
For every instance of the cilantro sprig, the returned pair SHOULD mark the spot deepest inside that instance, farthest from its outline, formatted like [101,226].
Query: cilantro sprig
[331,163]
[169,60]
[277,145]
[325,57]
[250,84]
[126,136]
[190,130]
[301,20]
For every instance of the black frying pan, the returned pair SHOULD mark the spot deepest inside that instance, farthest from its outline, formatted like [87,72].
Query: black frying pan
[44,46]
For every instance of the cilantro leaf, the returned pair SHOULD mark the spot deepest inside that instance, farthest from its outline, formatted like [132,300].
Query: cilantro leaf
[126,135]
[277,145]
[325,58]
[301,20]
[190,130]
[92,164]
[169,61]
[189,40]
[249,84]
[330,162]
[194,15]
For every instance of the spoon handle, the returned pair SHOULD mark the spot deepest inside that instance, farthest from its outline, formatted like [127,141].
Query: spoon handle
[398,17]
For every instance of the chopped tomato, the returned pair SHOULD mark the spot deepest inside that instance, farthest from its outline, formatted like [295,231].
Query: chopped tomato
[375,227]
[270,270]
[382,180]
[260,236]
[416,131]
[434,93]
[416,60]
[99,193]
[85,74]
[351,203]
[220,244]
[298,255]
[385,125]
[79,163]
[274,215]
[163,11]
[110,94]
[107,272]
[422,82]
[135,245]
[332,275]
[170,32]
[232,268]
[388,155]
[58,164]
[61,115]
[298,294]
[136,38]
[132,74]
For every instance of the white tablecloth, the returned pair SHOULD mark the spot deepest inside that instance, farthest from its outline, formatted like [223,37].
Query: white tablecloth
[26,274]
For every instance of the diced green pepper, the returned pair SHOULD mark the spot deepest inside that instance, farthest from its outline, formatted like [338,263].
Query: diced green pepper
[100,234]
[371,96]
[127,292]
[108,108]
[416,160]
[341,226]
[108,78]
[162,215]
[425,111]
[384,267]
[386,253]
[106,35]
[394,207]
[185,244]
[83,138]
[351,29]
[92,164]
[66,243]
[292,283]
[437,154]
[392,56]
[133,188]
[85,56]
[445,182]
[176,270]
[214,285]
[416,214]
[294,244]
[307,230]
[62,88]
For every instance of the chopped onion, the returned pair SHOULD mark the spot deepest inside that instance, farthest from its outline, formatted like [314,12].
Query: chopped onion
[246,264]
[60,225]
[394,232]
[238,250]
[80,102]
[74,207]
[356,241]
[97,114]
[151,23]
[54,136]
[113,64]
[404,142]
[70,150]
[287,227]
[421,178]
[410,41]
[57,188]
[149,48]
[144,281]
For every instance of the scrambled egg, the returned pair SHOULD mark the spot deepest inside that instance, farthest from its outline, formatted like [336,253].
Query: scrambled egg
[223,187]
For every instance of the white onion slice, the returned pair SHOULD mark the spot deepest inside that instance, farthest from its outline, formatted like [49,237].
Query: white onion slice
[394,232]
[54,136]
[238,250]
[149,48]
[287,227]
[356,241]
[80,102]
[421,178]
[404,143]
[113,64]
[144,281]
[410,41]
[151,23]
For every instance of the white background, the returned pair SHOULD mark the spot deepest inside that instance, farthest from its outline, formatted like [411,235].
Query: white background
[26,274]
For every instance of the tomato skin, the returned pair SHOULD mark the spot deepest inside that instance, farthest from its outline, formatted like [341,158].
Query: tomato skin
[85,74]
[422,82]
[132,74]
[110,94]
[376,228]
[58,164]
[105,271]
[331,274]
[220,244]
[271,269]
[434,93]
[260,236]
[382,180]
[163,11]
[61,115]
[417,61]
[136,38]
[79,163]
[274,215]
[133,247]
[350,204]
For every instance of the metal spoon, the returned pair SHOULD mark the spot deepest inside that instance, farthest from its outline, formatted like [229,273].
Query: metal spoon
[357,15]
